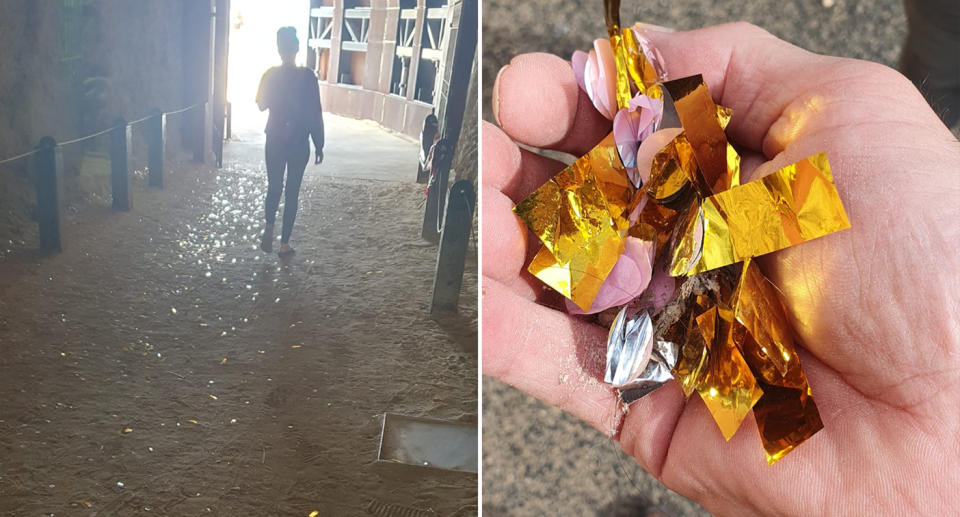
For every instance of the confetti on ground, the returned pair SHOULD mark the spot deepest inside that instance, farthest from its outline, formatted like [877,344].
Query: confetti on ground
[192,421]
[127,430]
[223,361]
[314,514]
[296,346]
[214,397]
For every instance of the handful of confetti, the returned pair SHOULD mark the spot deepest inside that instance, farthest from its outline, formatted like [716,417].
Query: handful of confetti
[672,245]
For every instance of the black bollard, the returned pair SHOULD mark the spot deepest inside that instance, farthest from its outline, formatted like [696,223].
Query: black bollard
[46,177]
[199,135]
[120,165]
[452,254]
[156,144]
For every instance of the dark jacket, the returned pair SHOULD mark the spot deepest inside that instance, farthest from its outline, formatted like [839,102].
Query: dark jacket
[292,94]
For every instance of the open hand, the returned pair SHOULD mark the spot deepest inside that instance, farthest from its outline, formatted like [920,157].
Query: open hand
[877,306]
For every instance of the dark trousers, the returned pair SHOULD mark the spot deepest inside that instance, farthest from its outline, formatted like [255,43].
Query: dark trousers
[292,155]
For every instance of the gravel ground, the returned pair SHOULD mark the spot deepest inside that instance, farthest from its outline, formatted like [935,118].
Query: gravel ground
[536,459]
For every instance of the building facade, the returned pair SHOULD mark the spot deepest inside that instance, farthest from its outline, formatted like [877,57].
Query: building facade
[384,60]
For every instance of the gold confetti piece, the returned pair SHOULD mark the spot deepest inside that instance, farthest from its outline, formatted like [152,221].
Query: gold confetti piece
[192,421]
[214,397]
[770,351]
[688,244]
[581,217]
[728,387]
[692,361]
[700,118]
[127,430]
[296,346]
[619,53]
[639,68]
[86,504]
[223,361]
[314,514]
[672,170]
[793,205]
[655,223]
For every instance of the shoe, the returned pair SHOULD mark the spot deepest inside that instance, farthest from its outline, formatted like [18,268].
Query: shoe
[266,243]
[285,250]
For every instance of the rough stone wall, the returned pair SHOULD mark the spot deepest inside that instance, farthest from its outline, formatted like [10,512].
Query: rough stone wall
[31,107]
[69,68]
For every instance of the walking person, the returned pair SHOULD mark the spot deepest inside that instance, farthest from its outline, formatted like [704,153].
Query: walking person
[292,95]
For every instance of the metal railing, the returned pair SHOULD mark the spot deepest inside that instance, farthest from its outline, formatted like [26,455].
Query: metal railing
[47,168]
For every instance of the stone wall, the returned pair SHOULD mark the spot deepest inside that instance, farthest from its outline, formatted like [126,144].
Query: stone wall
[70,68]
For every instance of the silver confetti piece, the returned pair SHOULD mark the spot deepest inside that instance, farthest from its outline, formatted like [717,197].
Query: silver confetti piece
[637,363]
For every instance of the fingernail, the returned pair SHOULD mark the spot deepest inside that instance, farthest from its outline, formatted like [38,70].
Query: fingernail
[495,95]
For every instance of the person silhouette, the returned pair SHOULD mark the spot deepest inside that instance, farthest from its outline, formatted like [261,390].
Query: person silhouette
[292,94]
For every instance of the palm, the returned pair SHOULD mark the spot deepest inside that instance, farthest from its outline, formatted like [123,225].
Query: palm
[875,305]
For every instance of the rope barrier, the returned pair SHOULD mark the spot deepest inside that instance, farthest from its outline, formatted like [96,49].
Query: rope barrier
[88,137]
[139,120]
[181,110]
[94,135]
[17,157]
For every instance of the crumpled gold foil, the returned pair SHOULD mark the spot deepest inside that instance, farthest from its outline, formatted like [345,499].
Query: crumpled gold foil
[639,68]
[620,52]
[786,413]
[793,205]
[580,216]
[701,121]
[633,67]
[732,342]
[727,386]
[738,353]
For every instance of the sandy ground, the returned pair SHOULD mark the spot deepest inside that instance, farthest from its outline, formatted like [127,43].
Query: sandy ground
[536,459]
[162,365]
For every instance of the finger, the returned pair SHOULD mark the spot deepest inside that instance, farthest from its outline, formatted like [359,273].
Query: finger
[548,354]
[501,157]
[515,172]
[648,426]
[508,246]
[504,238]
[536,100]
